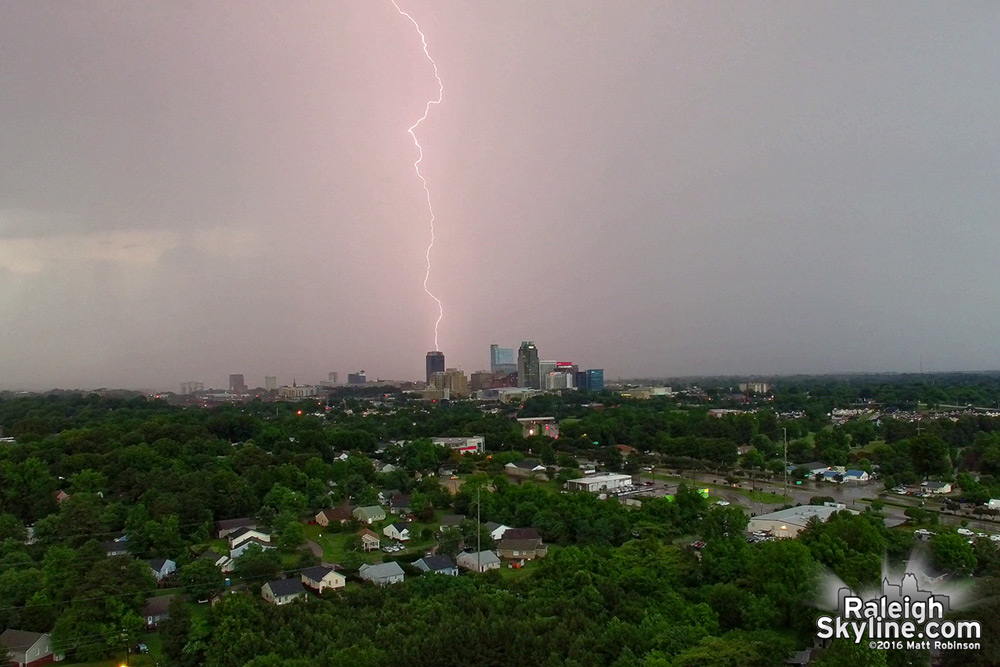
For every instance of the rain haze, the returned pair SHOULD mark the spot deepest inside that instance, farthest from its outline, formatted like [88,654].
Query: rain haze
[194,189]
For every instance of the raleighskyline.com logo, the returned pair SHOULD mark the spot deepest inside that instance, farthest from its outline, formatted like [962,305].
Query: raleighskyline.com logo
[903,617]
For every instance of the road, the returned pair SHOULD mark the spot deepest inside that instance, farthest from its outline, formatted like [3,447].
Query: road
[850,494]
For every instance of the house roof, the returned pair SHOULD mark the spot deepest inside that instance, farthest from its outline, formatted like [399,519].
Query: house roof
[226,524]
[364,532]
[158,563]
[240,532]
[381,570]
[528,533]
[245,544]
[317,573]
[390,493]
[528,464]
[493,525]
[483,557]
[19,640]
[520,545]
[158,605]
[935,485]
[400,527]
[341,513]
[370,509]
[283,587]
[401,500]
[436,563]
[854,473]
[452,519]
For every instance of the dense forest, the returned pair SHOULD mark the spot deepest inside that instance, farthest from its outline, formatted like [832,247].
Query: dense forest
[621,587]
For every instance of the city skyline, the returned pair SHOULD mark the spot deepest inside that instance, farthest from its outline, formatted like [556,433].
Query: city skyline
[654,189]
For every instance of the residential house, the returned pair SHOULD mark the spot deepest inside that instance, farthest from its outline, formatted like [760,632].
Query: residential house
[282,591]
[525,468]
[246,544]
[478,561]
[437,564]
[162,568]
[241,535]
[27,649]
[157,609]
[370,514]
[936,487]
[382,574]
[385,495]
[856,476]
[831,476]
[116,547]
[397,531]
[625,450]
[322,577]
[528,533]
[221,561]
[389,467]
[370,540]
[61,496]
[496,529]
[521,549]
[340,515]
[451,521]
[400,504]
[226,526]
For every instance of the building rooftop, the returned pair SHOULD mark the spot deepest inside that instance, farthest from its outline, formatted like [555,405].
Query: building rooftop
[800,515]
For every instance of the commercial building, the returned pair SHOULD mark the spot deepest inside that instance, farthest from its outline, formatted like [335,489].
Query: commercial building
[471,445]
[357,378]
[502,359]
[481,380]
[270,382]
[610,482]
[590,380]
[452,383]
[192,387]
[527,366]
[435,364]
[236,384]
[790,522]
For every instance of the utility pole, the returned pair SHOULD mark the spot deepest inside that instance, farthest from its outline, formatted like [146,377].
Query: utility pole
[785,484]
[479,530]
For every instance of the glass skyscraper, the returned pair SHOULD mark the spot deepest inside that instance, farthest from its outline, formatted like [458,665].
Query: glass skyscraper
[435,364]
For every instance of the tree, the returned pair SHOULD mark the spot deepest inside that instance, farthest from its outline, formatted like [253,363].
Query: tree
[952,553]
[256,565]
[201,578]
[175,630]
[722,522]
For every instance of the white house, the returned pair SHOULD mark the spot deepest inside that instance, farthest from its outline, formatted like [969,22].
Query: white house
[241,535]
[162,568]
[496,529]
[382,574]
[608,482]
[856,476]
[246,544]
[22,647]
[321,578]
[282,591]
[936,487]
[994,504]
[478,562]
[397,531]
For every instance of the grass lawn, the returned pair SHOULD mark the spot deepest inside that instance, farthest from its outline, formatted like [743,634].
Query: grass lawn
[756,496]
[336,545]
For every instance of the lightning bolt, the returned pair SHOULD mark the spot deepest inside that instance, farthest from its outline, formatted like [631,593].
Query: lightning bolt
[416,167]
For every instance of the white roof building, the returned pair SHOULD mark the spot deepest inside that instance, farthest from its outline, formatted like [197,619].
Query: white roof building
[790,522]
[609,482]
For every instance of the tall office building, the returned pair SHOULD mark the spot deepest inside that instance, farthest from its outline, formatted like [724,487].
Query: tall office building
[544,368]
[357,378]
[270,382]
[332,378]
[502,359]
[435,364]
[236,383]
[590,380]
[191,387]
[527,366]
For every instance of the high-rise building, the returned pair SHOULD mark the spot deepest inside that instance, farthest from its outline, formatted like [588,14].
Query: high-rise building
[270,382]
[544,368]
[332,378]
[452,382]
[192,387]
[527,366]
[590,380]
[481,380]
[357,378]
[236,384]
[502,359]
[435,363]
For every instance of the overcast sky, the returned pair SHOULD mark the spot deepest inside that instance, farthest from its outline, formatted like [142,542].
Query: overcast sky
[190,189]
